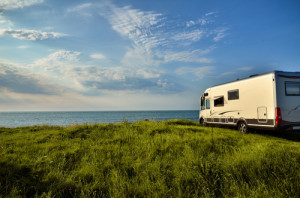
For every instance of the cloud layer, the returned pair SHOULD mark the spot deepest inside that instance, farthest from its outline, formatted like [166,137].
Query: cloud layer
[14,4]
[154,39]
[18,80]
[30,34]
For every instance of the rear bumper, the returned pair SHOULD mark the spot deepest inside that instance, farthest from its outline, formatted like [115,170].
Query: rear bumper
[289,127]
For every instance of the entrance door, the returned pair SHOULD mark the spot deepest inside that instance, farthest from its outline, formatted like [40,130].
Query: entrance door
[262,114]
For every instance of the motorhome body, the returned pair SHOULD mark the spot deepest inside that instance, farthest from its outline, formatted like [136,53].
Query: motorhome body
[269,101]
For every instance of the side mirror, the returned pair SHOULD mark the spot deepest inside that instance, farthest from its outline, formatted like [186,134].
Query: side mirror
[205,94]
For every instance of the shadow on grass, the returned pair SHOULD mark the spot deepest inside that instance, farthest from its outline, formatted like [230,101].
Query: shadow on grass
[182,122]
[288,135]
[23,181]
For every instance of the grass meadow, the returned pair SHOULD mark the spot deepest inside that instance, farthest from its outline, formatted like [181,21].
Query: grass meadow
[176,158]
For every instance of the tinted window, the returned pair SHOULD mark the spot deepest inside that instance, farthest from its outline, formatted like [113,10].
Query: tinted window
[219,101]
[292,88]
[233,94]
[207,104]
[202,104]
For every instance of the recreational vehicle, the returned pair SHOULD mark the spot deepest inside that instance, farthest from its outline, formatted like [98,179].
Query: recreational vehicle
[267,101]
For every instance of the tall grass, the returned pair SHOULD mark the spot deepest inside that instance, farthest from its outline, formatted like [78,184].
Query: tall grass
[175,158]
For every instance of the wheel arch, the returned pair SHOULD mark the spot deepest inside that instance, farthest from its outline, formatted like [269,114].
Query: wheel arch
[241,120]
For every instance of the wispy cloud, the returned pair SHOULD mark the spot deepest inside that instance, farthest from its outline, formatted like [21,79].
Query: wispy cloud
[23,47]
[194,35]
[14,4]
[5,23]
[134,24]
[58,62]
[23,34]
[185,56]
[199,72]
[208,18]
[154,39]
[97,56]
[81,9]
[227,74]
[220,33]
[245,68]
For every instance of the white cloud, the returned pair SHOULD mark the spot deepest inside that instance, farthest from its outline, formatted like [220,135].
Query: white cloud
[64,66]
[220,33]
[163,83]
[102,74]
[58,60]
[211,13]
[227,74]
[194,35]
[199,72]
[4,23]
[81,9]
[153,35]
[97,56]
[185,56]
[139,57]
[208,18]
[149,73]
[23,34]
[14,4]
[135,24]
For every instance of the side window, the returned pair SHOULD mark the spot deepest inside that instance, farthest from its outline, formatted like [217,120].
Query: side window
[292,88]
[219,101]
[233,94]
[202,103]
[207,104]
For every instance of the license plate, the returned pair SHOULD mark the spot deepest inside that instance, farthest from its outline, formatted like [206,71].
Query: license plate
[296,128]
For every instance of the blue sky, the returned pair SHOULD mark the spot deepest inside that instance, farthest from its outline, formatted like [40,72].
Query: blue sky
[137,55]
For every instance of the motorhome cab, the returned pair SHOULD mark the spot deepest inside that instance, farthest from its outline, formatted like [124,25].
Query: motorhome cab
[268,101]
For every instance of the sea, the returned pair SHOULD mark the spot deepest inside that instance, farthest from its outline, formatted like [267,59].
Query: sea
[63,118]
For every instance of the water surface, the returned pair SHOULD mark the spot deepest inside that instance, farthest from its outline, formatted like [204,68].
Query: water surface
[15,119]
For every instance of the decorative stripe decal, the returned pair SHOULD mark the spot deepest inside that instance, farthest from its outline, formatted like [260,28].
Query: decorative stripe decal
[227,112]
[233,121]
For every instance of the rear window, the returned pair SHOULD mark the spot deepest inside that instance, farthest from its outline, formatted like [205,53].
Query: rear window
[292,88]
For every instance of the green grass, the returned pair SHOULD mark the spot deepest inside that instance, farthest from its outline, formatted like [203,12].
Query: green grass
[176,158]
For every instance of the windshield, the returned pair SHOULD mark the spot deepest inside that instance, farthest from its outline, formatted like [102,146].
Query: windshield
[202,103]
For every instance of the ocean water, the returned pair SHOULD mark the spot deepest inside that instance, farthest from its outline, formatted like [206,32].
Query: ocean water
[16,119]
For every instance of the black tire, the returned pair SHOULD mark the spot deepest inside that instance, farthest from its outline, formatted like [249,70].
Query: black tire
[201,121]
[242,127]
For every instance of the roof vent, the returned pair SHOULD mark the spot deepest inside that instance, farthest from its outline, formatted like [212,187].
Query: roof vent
[253,75]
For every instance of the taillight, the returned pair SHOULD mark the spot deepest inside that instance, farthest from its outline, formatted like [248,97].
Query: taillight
[278,116]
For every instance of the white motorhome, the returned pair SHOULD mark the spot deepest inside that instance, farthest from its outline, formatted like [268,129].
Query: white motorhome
[268,101]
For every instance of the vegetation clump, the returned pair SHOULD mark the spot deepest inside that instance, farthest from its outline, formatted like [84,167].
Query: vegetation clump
[176,158]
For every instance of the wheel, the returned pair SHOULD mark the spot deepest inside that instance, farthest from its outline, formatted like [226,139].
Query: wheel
[201,121]
[242,127]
